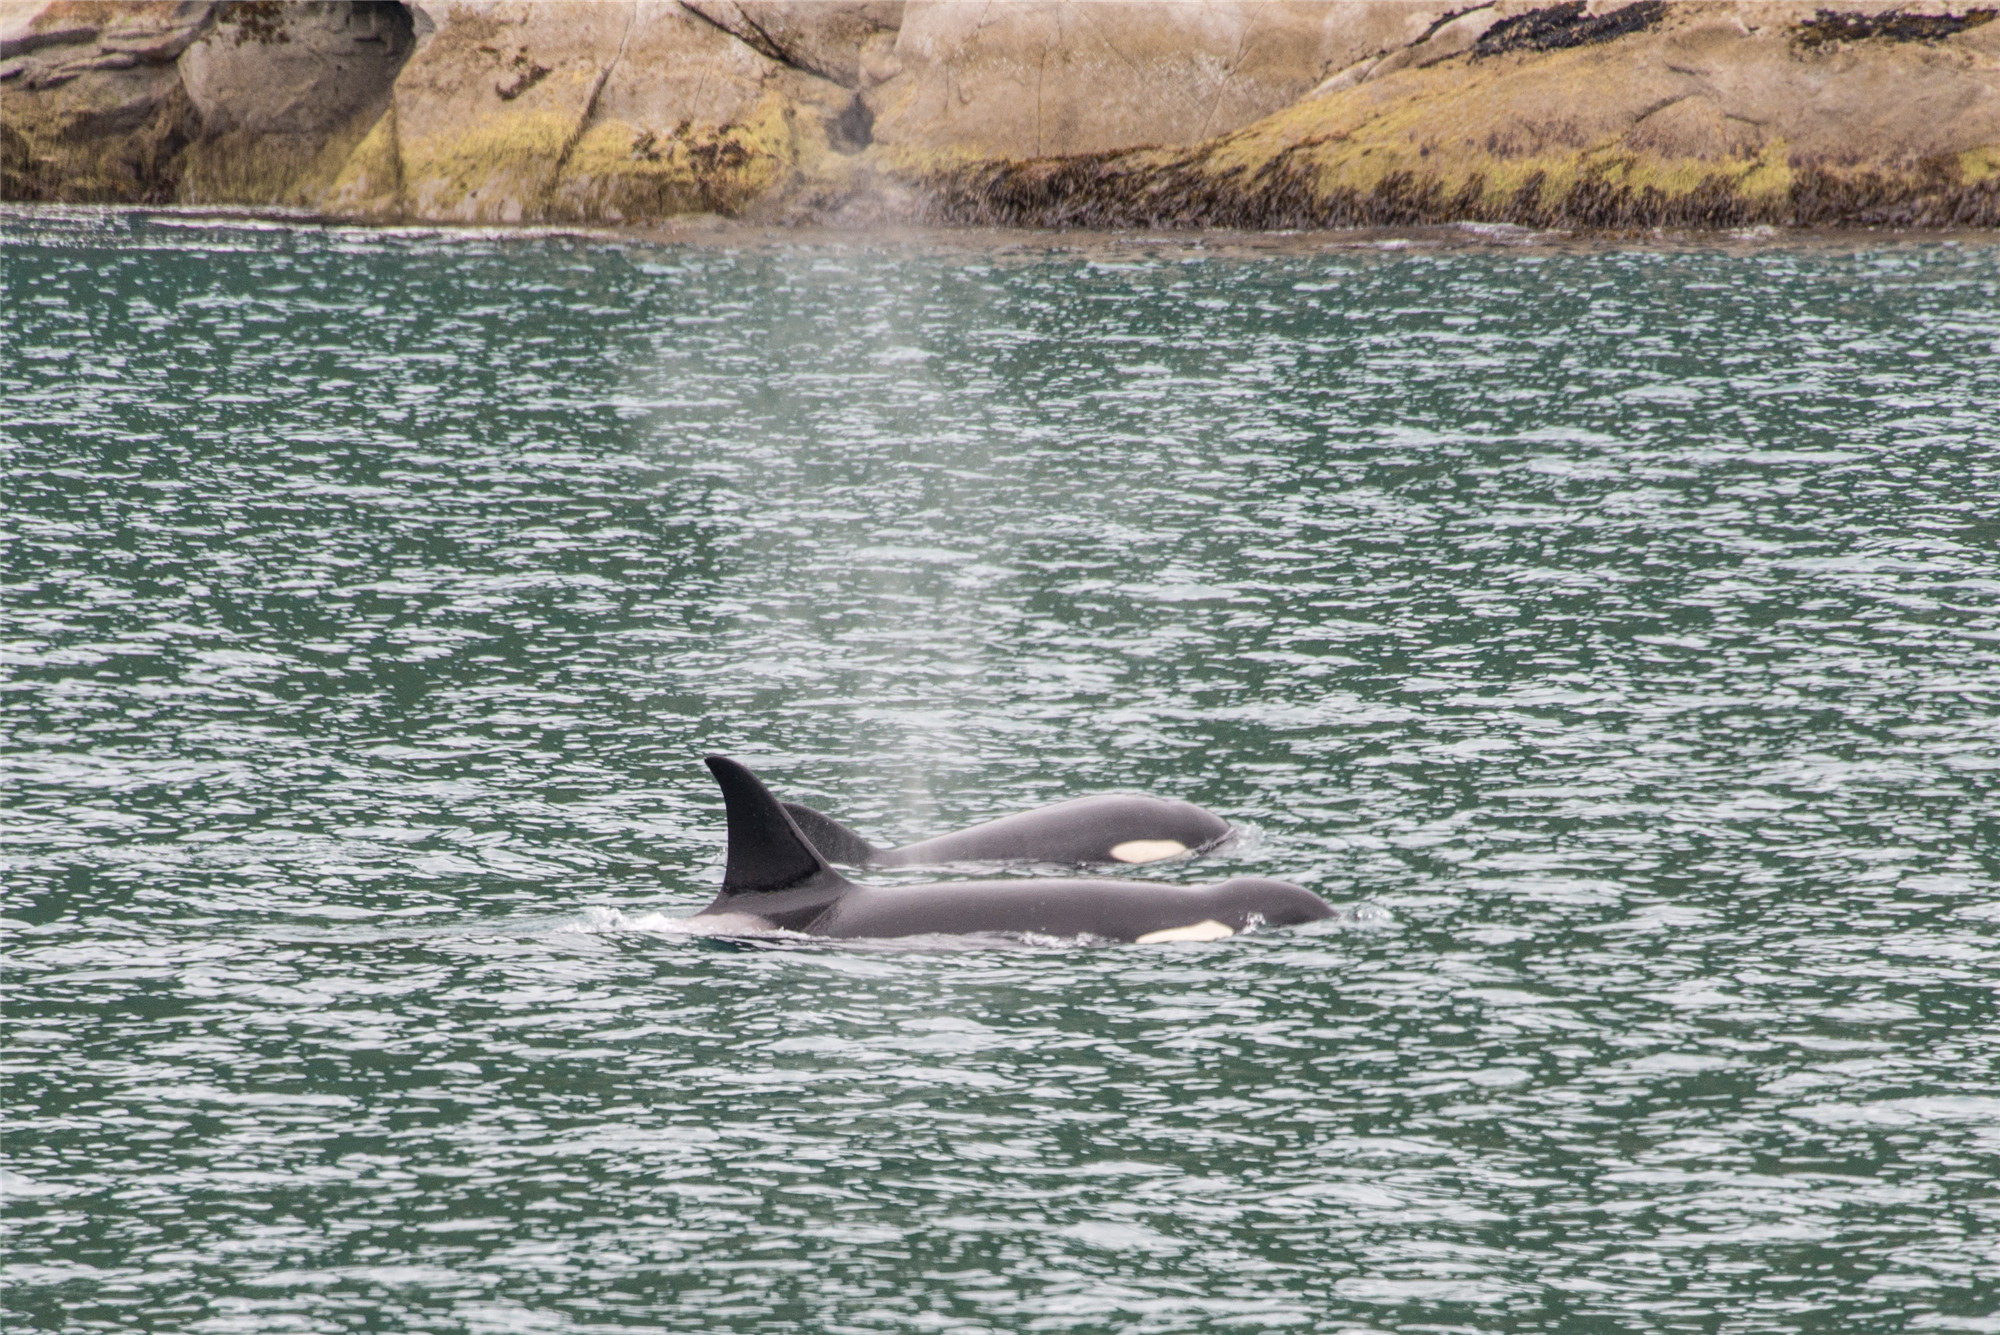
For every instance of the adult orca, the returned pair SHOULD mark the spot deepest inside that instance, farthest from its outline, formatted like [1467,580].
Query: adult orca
[1115,827]
[773,877]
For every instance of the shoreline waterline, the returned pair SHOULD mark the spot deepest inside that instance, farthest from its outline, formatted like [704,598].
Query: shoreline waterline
[1217,242]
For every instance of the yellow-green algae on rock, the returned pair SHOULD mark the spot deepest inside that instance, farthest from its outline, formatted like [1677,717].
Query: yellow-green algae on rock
[1704,119]
[620,171]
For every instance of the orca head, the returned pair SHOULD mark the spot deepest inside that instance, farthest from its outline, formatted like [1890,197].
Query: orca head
[771,870]
[1271,902]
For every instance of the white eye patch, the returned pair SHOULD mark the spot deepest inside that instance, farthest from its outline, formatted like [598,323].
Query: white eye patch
[1206,930]
[1148,850]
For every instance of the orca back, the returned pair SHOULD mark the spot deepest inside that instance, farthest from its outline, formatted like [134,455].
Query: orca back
[1110,910]
[1109,829]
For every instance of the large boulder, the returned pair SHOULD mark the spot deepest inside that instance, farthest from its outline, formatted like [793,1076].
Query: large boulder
[285,94]
[192,102]
[92,108]
[486,111]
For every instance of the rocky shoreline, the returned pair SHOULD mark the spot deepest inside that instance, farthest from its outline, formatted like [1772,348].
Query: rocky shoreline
[1154,114]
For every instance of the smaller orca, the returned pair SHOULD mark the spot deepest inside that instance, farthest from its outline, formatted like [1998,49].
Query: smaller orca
[1116,827]
[774,877]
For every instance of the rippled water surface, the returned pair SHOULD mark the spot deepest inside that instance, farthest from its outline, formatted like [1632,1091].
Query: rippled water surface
[1610,632]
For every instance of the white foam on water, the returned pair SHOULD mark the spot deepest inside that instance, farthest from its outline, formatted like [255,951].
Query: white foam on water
[19,1186]
[611,921]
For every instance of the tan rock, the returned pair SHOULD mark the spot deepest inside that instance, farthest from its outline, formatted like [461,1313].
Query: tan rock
[1453,36]
[693,120]
[826,38]
[516,111]
[488,108]
[29,27]
[1155,112]
[1039,77]
[1711,114]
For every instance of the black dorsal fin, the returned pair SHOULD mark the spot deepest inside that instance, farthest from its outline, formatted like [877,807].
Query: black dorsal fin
[766,851]
[835,842]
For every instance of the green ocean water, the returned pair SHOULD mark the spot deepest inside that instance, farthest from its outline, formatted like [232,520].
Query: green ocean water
[1612,633]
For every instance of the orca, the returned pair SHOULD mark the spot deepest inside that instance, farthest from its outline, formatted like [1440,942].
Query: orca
[775,878]
[1115,827]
